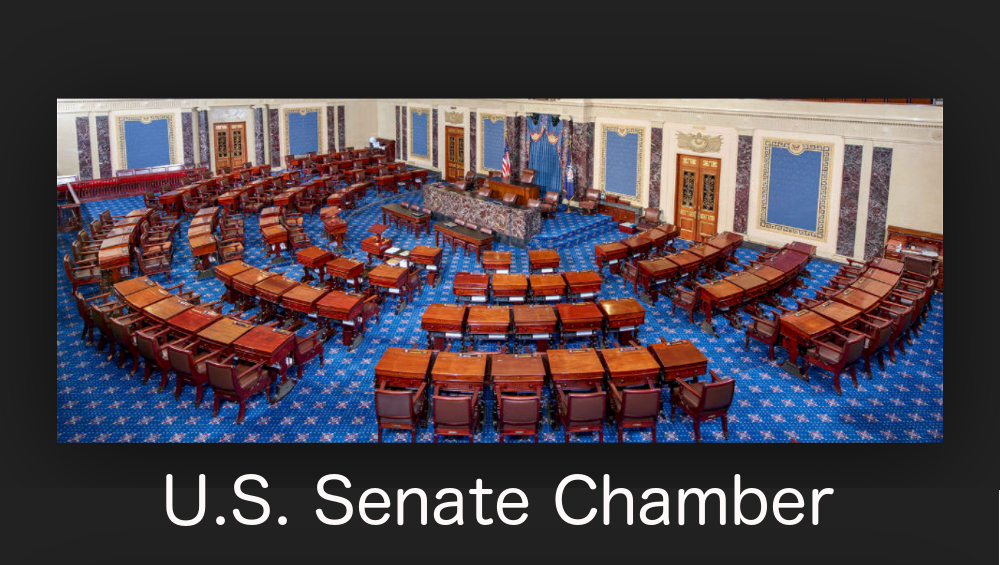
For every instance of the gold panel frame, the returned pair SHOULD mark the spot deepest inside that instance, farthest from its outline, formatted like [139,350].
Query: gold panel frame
[145,119]
[420,112]
[302,112]
[494,118]
[622,131]
[796,147]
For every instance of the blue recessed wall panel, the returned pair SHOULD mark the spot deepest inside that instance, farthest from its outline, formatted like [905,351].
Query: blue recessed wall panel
[493,138]
[794,189]
[621,163]
[147,144]
[303,132]
[418,143]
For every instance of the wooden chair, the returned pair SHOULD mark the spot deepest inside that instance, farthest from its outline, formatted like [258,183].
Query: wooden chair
[650,219]
[191,206]
[152,342]
[485,192]
[519,416]
[527,175]
[401,409]
[630,274]
[151,199]
[589,201]
[189,368]
[298,239]
[81,256]
[836,352]
[98,231]
[154,243]
[509,198]
[123,331]
[230,249]
[100,317]
[634,408]
[551,204]
[686,299]
[763,330]
[415,283]
[81,273]
[238,382]
[704,401]
[878,335]
[581,412]
[83,309]
[155,262]
[305,349]
[457,415]
[468,182]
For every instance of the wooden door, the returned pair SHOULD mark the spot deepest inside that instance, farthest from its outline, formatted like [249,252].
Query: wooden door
[454,165]
[697,202]
[230,145]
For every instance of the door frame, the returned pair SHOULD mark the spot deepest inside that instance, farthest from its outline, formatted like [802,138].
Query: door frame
[460,133]
[678,187]
[246,156]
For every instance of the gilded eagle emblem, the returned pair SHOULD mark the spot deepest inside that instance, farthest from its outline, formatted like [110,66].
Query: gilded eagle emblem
[699,142]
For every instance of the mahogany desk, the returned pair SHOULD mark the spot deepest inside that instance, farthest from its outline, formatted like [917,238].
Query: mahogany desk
[638,246]
[679,359]
[162,310]
[582,319]
[114,260]
[837,312]
[376,245]
[193,320]
[509,287]
[727,241]
[487,322]
[516,373]
[542,261]
[443,322]
[889,278]
[772,276]
[654,274]
[858,299]
[623,316]
[476,238]
[753,286]
[873,287]
[496,261]
[132,286]
[268,345]
[403,368]
[420,219]
[459,372]
[138,300]
[582,285]
[335,228]
[303,298]
[523,190]
[310,258]
[245,282]
[538,323]
[573,369]
[631,366]
[275,239]
[803,248]
[202,247]
[430,258]
[224,332]
[393,280]
[721,295]
[547,288]
[686,262]
[611,254]
[346,308]
[658,239]
[799,329]
[709,255]
[347,270]
[889,265]
[271,289]
[471,287]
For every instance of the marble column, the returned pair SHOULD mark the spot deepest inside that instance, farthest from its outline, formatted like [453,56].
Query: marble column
[258,135]
[83,149]
[274,142]
[187,133]
[744,156]
[473,164]
[203,144]
[341,127]
[403,126]
[331,128]
[104,146]
[849,189]
[655,165]
[434,136]
[583,156]
[878,201]
[399,140]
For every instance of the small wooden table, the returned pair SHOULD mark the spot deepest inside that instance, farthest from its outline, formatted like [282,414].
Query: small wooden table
[623,316]
[631,366]
[403,368]
[303,298]
[610,254]
[721,295]
[138,300]
[224,332]
[276,240]
[193,320]
[517,373]
[471,287]
[638,246]
[347,270]
[654,274]
[487,322]
[392,280]
[346,308]
[799,329]
[310,258]
[430,258]
[679,359]
[858,299]
[496,261]
[162,310]
[225,273]
[837,312]
[582,319]
[542,261]
[443,322]
[131,286]
[547,288]
[459,372]
[268,345]
[509,287]
[686,262]
[582,285]
[538,323]
[873,287]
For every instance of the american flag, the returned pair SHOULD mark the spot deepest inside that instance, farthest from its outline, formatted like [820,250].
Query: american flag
[505,166]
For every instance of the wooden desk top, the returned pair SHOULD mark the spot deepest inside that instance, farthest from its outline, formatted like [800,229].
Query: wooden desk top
[203,221]
[766,272]
[655,235]
[264,340]
[610,250]
[547,283]
[488,315]
[507,366]
[451,314]
[806,323]
[725,240]
[110,258]
[303,297]
[273,288]
[580,312]
[398,361]
[888,265]
[800,247]
[339,304]
[619,307]
[207,211]
[788,261]
[857,298]
[130,286]
[142,298]
[313,256]
[685,258]
[116,241]
[452,366]
[202,244]
[536,256]
[193,320]
[873,287]
[426,255]
[510,281]
[581,278]
[636,242]
[475,280]
[344,266]
[721,290]
[657,267]
[629,360]
[195,231]
[274,232]
[836,311]
[886,277]
[706,252]
[572,364]
[493,257]
[747,281]
[252,276]
[533,314]
[163,310]
[387,276]
[226,271]
[678,354]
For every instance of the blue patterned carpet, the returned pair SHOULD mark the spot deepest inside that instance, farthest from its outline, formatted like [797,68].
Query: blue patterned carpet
[97,402]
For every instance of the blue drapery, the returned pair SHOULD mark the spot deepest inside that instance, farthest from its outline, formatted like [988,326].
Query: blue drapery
[544,148]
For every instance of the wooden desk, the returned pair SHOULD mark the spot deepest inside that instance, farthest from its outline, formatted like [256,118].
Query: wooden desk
[753,286]
[582,285]
[268,345]
[487,322]
[873,287]
[403,368]
[631,366]
[271,289]
[727,241]
[524,191]
[375,246]
[654,274]
[679,359]
[709,255]
[547,288]
[583,319]
[479,240]
[430,258]
[537,323]
[720,295]
[113,259]
[310,258]
[496,261]
[623,316]
[517,373]
[800,329]
[803,248]
[346,308]
[472,287]
[543,260]
[789,262]
[224,332]
[162,310]
[858,299]
[245,282]
[347,270]
[275,238]
[658,239]
[193,320]
[638,246]
[509,287]
[443,322]
[131,286]
[138,300]
[773,276]
[881,276]
[459,371]
[886,264]
[611,254]
[686,262]
[303,298]
[575,369]
[837,312]
[420,219]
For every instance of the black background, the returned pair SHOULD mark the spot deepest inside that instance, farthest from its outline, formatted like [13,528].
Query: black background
[893,503]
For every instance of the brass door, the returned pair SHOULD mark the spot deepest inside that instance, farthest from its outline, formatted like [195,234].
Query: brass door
[454,165]
[697,202]
[230,145]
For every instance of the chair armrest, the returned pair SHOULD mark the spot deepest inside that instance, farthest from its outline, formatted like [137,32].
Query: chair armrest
[616,394]
[714,375]
[249,370]
[689,388]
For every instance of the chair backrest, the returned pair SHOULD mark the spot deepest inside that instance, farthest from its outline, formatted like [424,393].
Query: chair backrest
[585,407]
[593,194]
[652,216]
[717,396]
[485,192]
[105,217]
[470,176]
[68,266]
[640,403]
[180,359]
[509,198]
[552,197]
[527,175]
[534,203]
[147,344]
[394,403]
[120,331]
[519,410]
[221,376]
[453,410]
[854,348]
